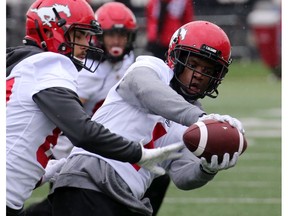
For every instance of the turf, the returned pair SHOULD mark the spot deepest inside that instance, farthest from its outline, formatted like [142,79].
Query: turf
[253,187]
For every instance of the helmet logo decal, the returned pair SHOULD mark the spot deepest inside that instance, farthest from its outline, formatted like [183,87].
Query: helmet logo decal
[180,33]
[47,15]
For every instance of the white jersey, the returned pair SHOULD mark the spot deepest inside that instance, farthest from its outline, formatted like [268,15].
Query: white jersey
[29,134]
[94,87]
[134,124]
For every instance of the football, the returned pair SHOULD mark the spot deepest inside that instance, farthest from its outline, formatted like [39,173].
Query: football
[212,137]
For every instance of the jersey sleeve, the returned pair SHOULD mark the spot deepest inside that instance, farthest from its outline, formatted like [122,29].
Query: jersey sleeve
[63,107]
[186,174]
[147,87]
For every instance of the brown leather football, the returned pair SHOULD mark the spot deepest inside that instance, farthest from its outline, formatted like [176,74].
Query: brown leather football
[212,137]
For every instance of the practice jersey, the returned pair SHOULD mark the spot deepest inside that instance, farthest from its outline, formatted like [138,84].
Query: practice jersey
[134,124]
[30,135]
[94,87]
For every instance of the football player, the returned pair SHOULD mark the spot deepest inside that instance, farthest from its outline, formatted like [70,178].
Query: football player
[155,100]
[119,33]
[42,100]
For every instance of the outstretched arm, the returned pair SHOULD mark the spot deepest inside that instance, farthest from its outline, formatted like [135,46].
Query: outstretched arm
[63,107]
[143,88]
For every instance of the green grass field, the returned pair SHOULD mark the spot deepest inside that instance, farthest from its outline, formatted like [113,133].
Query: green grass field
[253,187]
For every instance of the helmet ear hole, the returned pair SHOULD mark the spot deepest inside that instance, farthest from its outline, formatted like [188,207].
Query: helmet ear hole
[48,33]
[172,56]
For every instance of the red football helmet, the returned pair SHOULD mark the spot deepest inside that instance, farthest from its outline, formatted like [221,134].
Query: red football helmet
[203,39]
[49,22]
[116,17]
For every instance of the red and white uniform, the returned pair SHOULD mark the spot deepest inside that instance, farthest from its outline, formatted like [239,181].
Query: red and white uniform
[134,123]
[129,109]
[94,87]
[30,135]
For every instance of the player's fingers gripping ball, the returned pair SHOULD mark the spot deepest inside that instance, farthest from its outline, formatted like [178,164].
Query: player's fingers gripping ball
[212,137]
[222,118]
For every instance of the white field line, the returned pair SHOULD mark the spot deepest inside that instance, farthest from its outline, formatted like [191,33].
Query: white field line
[211,200]
[259,156]
[260,127]
[261,123]
[256,169]
[250,184]
[272,133]
[274,112]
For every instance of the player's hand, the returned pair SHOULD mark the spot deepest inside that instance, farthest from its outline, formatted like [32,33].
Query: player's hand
[150,157]
[232,121]
[214,167]
[52,170]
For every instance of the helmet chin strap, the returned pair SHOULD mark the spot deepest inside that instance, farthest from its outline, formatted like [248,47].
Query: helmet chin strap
[213,96]
[174,84]
[80,61]
[77,62]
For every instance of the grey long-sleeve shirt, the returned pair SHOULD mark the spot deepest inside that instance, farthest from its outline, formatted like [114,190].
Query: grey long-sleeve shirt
[143,88]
